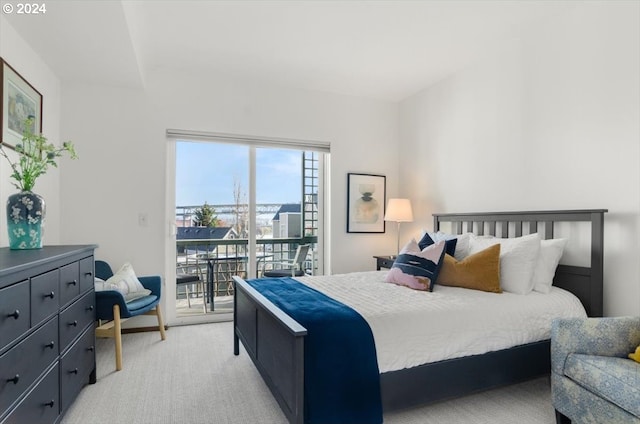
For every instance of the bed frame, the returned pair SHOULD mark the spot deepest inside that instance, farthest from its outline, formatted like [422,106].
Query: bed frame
[275,342]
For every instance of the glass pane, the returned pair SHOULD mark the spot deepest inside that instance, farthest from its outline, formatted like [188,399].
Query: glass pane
[279,202]
[211,220]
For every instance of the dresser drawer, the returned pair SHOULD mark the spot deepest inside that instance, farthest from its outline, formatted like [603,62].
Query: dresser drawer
[75,318]
[42,404]
[75,367]
[22,365]
[44,296]
[14,312]
[69,287]
[86,274]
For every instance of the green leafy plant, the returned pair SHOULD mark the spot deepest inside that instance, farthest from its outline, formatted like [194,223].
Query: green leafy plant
[205,216]
[35,155]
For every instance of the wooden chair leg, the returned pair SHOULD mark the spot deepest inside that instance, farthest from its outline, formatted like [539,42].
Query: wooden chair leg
[117,334]
[160,322]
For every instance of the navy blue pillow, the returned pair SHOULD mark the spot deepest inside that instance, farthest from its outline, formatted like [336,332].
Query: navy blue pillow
[450,245]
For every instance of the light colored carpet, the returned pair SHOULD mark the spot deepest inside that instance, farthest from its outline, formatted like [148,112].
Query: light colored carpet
[193,377]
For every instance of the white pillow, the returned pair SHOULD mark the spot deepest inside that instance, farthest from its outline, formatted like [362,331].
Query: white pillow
[518,259]
[548,259]
[99,284]
[126,282]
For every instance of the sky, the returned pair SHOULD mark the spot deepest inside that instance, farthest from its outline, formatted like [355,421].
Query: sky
[205,171]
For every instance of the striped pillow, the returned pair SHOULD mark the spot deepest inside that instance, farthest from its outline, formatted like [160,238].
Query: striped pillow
[415,268]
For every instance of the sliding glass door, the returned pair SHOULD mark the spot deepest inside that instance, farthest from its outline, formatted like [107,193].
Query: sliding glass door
[241,210]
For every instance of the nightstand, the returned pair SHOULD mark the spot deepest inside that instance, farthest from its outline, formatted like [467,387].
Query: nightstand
[384,262]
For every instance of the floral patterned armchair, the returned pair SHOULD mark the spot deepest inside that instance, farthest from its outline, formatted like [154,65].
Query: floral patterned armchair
[592,379]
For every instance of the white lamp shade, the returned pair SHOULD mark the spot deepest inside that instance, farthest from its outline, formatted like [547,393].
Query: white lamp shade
[399,210]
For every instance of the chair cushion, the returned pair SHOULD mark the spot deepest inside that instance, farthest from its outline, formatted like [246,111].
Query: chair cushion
[186,278]
[282,273]
[147,302]
[614,379]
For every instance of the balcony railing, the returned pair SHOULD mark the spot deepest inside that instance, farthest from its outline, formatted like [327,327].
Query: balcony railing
[216,260]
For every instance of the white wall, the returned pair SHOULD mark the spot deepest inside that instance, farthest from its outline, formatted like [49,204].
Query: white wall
[120,137]
[30,66]
[551,121]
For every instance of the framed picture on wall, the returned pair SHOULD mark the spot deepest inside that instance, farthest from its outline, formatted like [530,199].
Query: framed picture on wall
[366,199]
[20,100]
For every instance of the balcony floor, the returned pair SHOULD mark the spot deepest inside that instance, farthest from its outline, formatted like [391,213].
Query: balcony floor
[223,304]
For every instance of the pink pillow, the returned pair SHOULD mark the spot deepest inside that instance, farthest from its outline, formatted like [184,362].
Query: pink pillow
[417,269]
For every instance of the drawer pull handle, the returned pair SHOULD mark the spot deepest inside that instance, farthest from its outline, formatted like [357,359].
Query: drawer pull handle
[15,314]
[14,379]
[74,371]
[90,308]
[72,283]
[51,344]
[50,403]
[51,295]
[88,274]
[74,323]
[90,348]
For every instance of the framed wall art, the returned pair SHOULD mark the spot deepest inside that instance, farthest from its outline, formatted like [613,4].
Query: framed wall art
[366,199]
[20,100]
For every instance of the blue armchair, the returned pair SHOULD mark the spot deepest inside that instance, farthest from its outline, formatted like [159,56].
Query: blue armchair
[112,308]
[592,380]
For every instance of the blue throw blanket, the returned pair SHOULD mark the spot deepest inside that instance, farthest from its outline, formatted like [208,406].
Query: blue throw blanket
[341,377]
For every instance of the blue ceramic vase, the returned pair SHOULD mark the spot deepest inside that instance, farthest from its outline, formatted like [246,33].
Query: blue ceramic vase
[25,220]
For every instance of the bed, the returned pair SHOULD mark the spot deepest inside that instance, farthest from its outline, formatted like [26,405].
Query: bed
[275,342]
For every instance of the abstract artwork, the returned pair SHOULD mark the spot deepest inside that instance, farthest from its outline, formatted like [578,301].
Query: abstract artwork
[366,199]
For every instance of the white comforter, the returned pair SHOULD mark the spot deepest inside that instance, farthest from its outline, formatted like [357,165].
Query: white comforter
[412,327]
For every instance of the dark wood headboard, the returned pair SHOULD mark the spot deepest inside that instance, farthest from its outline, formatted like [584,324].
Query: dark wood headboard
[584,282]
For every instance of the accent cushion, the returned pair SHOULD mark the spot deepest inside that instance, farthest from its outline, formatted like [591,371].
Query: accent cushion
[548,259]
[126,282]
[450,243]
[141,302]
[615,379]
[518,258]
[186,278]
[415,268]
[480,271]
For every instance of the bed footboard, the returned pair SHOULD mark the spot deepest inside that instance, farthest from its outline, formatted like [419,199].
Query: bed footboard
[275,344]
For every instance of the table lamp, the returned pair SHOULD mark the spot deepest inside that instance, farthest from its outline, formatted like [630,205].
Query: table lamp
[399,210]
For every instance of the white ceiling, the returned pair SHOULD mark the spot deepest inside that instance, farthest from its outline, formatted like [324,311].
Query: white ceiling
[377,49]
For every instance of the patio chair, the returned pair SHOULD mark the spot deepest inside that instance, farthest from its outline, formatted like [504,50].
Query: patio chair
[189,275]
[295,266]
[112,308]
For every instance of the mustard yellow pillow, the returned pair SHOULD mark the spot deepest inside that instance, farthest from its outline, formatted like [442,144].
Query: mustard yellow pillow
[480,271]
[636,355]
